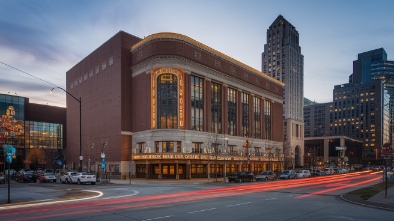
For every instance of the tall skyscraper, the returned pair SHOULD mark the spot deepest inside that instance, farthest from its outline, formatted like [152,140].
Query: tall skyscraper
[282,59]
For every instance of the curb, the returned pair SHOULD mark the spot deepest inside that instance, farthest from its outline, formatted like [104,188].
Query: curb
[354,199]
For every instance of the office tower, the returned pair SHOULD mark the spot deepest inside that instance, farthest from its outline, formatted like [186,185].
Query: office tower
[360,111]
[363,65]
[317,119]
[282,60]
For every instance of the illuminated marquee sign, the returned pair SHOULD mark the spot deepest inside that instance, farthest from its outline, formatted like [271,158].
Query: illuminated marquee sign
[179,75]
[194,157]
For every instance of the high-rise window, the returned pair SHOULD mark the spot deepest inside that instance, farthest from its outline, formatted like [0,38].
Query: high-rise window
[232,111]
[257,117]
[167,105]
[197,108]
[216,108]
[245,114]
[267,120]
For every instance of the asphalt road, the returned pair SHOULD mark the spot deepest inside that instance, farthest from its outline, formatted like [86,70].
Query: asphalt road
[301,199]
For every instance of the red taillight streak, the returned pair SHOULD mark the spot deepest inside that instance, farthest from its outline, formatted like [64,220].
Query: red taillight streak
[241,189]
[202,194]
[337,188]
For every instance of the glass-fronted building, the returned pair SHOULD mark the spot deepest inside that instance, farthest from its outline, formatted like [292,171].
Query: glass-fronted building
[43,130]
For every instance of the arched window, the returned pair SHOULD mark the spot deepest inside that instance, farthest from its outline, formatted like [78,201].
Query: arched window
[167,101]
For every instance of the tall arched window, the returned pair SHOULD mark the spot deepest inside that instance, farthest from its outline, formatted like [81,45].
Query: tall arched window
[167,101]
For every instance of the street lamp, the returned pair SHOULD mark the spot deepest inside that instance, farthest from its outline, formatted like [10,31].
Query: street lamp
[225,159]
[80,125]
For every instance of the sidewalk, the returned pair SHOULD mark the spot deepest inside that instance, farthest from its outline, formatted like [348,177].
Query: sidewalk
[379,201]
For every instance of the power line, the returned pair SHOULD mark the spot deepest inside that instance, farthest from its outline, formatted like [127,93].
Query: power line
[28,74]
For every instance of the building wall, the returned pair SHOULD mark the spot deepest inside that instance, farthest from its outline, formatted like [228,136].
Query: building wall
[116,86]
[102,80]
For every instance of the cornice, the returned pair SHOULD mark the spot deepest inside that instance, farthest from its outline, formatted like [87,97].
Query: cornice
[168,36]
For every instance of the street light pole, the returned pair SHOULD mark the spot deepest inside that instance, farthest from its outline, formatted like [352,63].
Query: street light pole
[80,125]
[225,159]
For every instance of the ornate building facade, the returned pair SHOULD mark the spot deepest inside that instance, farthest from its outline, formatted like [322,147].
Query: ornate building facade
[170,107]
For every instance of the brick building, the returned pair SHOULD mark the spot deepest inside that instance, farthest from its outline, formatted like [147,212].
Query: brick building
[167,106]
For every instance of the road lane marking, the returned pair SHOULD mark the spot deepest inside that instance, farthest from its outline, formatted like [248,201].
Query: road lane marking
[52,202]
[239,204]
[161,217]
[271,199]
[199,211]
[133,194]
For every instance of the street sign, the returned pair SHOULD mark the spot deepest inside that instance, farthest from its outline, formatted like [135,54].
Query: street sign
[340,148]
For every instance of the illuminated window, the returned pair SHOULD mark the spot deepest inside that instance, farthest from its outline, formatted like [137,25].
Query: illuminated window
[245,114]
[232,111]
[257,117]
[267,120]
[197,103]
[216,108]
[43,135]
[167,101]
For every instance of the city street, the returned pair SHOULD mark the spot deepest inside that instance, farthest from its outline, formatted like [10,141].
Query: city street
[300,199]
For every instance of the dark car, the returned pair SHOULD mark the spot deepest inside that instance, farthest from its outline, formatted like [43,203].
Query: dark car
[318,173]
[241,176]
[24,177]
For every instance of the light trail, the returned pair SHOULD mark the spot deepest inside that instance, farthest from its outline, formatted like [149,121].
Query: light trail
[44,211]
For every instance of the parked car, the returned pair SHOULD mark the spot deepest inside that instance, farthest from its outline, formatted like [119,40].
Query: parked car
[2,178]
[318,173]
[343,170]
[241,176]
[47,177]
[66,178]
[12,173]
[24,177]
[303,173]
[83,177]
[329,171]
[266,175]
[288,174]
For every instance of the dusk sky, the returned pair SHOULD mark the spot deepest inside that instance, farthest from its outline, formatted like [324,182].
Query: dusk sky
[46,38]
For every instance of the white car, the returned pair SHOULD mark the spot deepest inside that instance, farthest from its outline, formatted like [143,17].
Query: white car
[66,178]
[47,177]
[83,177]
[303,173]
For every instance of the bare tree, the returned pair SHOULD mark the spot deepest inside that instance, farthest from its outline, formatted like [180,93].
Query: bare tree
[36,157]
[247,152]
[213,149]
[90,153]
